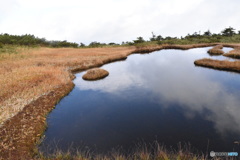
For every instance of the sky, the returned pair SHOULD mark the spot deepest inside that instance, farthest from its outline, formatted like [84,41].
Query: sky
[116,20]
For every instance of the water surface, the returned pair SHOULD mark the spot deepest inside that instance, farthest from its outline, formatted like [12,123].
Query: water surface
[160,96]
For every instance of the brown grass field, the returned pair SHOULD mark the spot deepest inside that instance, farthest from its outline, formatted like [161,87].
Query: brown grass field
[34,81]
[217,50]
[35,72]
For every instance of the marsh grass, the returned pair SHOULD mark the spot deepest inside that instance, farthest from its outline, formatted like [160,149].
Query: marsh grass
[142,48]
[13,52]
[95,74]
[8,49]
[142,151]
[36,71]
[235,53]
[217,50]
[226,65]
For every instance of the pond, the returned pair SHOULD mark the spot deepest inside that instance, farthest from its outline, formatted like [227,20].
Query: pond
[161,96]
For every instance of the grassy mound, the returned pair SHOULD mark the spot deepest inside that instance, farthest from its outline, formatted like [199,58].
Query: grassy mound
[220,65]
[95,74]
[234,53]
[217,50]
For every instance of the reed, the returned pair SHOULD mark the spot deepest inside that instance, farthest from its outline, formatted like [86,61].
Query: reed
[142,151]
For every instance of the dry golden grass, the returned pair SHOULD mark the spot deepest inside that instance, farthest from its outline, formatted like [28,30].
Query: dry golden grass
[217,50]
[95,74]
[220,65]
[186,47]
[31,73]
[141,152]
[234,53]
[147,49]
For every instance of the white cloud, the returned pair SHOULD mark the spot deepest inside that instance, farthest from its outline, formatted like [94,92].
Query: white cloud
[115,20]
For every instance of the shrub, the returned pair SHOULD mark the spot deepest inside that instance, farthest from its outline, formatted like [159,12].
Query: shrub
[139,40]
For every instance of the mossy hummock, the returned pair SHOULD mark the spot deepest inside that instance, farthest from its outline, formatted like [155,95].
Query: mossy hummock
[95,74]
[234,53]
[217,50]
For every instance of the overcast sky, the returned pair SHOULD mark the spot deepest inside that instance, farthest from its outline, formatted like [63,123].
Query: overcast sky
[115,20]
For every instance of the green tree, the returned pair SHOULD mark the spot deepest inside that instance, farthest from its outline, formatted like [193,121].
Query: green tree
[129,43]
[156,38]
[82,45]
[153,38]
[139,40]
[112,43]
[207,33]
[159,38]
[95,44]
[228,31]
[168,38]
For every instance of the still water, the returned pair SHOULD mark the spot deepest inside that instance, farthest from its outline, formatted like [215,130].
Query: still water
[159,96]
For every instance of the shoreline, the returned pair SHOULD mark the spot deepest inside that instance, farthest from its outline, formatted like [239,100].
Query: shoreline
[222,65]
[21,133]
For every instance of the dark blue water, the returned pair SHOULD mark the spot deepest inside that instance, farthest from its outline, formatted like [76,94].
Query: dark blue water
[160,96]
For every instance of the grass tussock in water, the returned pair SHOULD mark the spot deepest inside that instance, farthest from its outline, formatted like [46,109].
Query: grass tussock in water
[217,50]
[218,64]
[234,53]
[95,74]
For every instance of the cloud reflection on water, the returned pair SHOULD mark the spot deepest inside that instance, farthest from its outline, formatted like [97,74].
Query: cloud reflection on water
[171,77]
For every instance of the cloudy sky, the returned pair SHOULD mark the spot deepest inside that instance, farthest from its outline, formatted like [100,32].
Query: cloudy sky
[115,20]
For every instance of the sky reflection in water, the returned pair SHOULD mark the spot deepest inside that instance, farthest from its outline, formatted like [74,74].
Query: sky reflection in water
[159,96]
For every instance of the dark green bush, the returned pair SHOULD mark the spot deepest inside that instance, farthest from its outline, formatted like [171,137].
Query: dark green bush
[31,40]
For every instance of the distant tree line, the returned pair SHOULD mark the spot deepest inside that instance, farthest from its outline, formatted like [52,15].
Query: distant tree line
[227,35]
[31,40]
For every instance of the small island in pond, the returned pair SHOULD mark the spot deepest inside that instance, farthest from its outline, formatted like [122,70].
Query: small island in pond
[95,74]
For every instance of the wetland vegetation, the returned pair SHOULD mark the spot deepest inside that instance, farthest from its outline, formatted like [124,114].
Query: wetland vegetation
[95,74]
[36,74]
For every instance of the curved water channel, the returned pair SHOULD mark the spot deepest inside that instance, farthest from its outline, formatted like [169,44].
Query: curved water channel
[161,96]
